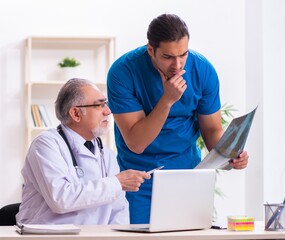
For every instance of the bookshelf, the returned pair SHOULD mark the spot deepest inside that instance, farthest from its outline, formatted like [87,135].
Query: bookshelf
[44,78]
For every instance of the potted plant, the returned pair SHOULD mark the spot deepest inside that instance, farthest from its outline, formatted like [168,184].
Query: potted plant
[68,62]
[68,66]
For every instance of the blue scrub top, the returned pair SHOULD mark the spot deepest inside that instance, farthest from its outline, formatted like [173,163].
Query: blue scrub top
[134,84]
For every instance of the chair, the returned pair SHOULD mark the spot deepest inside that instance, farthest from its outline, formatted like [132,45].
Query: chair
[8,214]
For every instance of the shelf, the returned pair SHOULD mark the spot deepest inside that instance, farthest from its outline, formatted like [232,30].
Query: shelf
[70,42]
[57,83]
[43,76]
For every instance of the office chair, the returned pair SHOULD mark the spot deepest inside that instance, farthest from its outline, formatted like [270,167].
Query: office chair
[8,214]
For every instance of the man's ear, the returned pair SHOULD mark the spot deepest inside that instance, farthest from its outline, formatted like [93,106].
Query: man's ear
[75,114]
[150,50]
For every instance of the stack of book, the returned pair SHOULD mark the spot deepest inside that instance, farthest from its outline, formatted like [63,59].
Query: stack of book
[40,116]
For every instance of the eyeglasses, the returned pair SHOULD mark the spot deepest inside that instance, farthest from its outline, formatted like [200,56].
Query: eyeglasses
[102,104]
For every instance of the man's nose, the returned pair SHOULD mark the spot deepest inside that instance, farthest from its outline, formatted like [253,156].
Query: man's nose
[177,63]
[107,110]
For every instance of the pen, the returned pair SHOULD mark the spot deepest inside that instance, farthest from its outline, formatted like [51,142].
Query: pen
[217,227]
[152,171]
[275,214]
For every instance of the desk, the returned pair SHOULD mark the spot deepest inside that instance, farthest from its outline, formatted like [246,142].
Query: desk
[106,233]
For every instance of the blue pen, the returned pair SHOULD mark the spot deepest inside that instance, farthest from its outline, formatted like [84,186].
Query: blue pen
[275,215]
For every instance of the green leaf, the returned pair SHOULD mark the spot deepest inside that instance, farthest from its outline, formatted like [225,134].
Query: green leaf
[68,62]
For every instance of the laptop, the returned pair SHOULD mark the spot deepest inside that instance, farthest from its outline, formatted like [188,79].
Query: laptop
[181,200]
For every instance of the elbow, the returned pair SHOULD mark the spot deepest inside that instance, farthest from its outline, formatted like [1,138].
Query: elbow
[59,206]
[136,148]
[59,209]
[138,151]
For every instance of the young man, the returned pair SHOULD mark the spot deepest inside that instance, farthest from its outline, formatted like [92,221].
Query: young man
[163,96]
[66,182]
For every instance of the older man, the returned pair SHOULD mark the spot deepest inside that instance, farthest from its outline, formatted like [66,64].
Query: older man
[69,177]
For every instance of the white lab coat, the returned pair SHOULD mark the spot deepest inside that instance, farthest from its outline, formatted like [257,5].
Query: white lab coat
[54,194]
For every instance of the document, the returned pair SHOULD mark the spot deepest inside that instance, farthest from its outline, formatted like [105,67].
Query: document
[230,145]
[47,228]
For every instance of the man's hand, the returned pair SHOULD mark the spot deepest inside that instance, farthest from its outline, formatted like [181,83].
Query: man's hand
[240,162]
[131,180]
[173,87]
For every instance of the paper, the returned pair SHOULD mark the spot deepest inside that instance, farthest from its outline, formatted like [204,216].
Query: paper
[47,228]
[230,145]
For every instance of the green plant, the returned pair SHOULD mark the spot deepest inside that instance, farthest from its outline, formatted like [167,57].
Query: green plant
[68,62]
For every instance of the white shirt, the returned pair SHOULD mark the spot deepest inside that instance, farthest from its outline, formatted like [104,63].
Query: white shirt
[53,193]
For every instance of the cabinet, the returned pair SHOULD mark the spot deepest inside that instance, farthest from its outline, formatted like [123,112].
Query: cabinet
[43,76]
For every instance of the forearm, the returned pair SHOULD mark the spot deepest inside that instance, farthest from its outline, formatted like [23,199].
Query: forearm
[145,130]
[73,197]
[211,129]
[211,138]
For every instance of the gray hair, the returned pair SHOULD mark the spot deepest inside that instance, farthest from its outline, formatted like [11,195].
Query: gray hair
[70,95]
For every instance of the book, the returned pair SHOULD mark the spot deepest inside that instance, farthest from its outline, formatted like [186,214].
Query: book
[37,116]
[47,228]
[230,145]
[34,115]
[44,115]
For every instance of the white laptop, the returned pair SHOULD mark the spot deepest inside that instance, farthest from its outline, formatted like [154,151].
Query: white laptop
[181,200]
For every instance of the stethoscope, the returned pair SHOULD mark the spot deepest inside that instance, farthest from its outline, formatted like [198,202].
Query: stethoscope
[79,170]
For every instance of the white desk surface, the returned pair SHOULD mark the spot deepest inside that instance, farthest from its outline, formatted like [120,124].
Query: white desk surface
[105,232]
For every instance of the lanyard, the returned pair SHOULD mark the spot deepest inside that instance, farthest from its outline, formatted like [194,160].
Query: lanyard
[79,171]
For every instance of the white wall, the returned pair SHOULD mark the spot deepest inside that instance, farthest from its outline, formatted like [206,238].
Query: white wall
[265,75]
[254,94]
[273,36]
[218,30]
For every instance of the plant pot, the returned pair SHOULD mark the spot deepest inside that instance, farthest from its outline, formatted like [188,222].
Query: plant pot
[68,73]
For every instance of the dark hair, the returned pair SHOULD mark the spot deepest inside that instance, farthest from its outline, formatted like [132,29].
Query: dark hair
[166,28]
[70,95]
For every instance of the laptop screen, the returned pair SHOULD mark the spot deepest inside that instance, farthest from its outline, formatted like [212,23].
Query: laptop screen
[182,199]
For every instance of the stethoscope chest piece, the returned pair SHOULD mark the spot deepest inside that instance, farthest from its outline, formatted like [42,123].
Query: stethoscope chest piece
[79,171]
